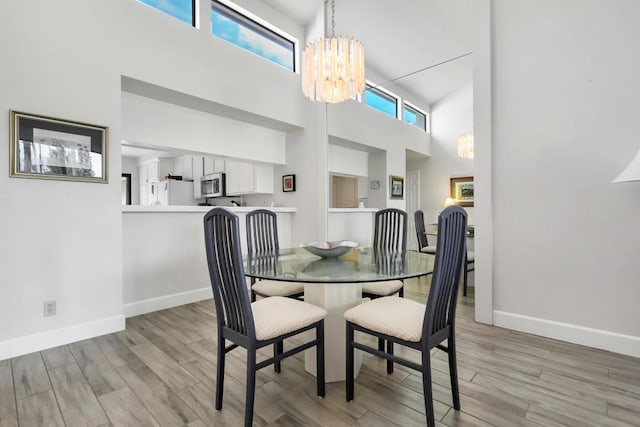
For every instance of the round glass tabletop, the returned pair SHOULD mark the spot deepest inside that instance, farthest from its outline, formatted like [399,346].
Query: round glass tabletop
[358,265]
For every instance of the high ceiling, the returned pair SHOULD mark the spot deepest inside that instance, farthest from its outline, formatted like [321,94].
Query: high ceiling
[402,37]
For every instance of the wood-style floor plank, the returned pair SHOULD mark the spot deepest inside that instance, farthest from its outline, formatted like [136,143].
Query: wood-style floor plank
[124,409]
[161,370]
[157,397]
[78,404]
[100,374]
[116,351]
[164,341]
[8,412]
[57,357]
[174,375]
[40,409]
[29,375]
[623,414]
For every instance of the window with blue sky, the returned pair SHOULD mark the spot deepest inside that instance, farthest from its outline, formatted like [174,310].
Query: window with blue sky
[376,98]
[234,27]
[414,117]
[180,9]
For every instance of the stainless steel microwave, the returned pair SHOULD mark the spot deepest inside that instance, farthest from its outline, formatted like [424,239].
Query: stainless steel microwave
[212,185]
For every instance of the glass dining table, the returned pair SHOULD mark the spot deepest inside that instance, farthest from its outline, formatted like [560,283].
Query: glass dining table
[335,284]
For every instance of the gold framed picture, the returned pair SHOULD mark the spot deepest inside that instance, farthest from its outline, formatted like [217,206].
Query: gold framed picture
[48,148]
[461,191]
[396,187]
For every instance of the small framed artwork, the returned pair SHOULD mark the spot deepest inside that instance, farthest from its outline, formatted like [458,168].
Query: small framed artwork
[461,191]
[288,183]
[375,185]
[396,186]
[49,148]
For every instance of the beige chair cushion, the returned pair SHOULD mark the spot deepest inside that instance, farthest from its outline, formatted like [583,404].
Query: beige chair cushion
[471,256]
[384,289]
[398,317]
[274,288]
[428,249]
[275,316]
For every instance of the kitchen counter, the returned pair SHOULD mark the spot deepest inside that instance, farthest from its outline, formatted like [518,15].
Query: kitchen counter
[164,261]
[188,209]
[355,224]
[352,210]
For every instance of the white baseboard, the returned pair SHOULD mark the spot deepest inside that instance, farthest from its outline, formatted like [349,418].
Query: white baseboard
[166,301]
[56,337]
[611,341]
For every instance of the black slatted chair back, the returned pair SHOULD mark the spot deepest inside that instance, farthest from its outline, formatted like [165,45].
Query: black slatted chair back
[390,230]
[390,263]
[224,256]
[421,231]
[441,304]
[262,233]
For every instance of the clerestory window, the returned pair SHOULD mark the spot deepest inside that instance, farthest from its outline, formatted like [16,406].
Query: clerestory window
[235,25]
[183,10]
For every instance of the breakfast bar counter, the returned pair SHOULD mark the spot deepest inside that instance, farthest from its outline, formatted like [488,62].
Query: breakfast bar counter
[164,262]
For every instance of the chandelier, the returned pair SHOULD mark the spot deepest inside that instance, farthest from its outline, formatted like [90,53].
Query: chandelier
[465,145]
[333,68]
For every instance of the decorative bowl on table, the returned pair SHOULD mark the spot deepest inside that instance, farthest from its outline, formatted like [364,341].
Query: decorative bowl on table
[330,249]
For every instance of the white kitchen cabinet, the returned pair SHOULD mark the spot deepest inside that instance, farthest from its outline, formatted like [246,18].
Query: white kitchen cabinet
[198,172]
[154,170]
[213,165]
[248,178]
[183,166]
[208,165]
[144,175]
[219,165]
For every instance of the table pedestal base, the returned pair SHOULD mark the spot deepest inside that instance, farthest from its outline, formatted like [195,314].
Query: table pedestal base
[336,298]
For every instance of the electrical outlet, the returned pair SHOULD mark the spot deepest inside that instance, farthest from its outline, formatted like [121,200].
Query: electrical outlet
[49,308]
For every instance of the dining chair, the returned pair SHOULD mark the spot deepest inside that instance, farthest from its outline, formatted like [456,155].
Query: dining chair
[253,326]
[262,242]
[414,325]
[421,232]
[389,237]
[423,246]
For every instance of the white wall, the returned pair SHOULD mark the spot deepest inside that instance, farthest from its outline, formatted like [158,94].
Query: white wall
[152,122]
[451,116]
[62,240]
[307,158]
[565,91]
[347,121]
[347,161]
[378,198]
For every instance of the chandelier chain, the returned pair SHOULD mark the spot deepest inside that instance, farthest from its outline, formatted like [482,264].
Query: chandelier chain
[333,18]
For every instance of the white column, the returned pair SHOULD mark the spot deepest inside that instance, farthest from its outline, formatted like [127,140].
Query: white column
[336,298]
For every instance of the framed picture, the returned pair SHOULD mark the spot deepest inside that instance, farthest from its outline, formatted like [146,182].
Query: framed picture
[396,186]
[375,185]
[461,191]
[48,148]
[288,183]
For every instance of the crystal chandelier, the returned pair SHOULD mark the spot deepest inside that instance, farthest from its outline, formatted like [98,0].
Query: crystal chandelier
[465,145]
[333,68]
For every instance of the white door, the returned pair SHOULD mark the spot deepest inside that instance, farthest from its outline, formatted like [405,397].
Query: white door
[413,204]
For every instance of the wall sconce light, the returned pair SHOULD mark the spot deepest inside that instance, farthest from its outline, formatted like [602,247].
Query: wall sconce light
[448,202]
[465,145]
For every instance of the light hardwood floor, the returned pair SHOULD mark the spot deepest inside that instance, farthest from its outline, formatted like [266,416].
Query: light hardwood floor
[161,371]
